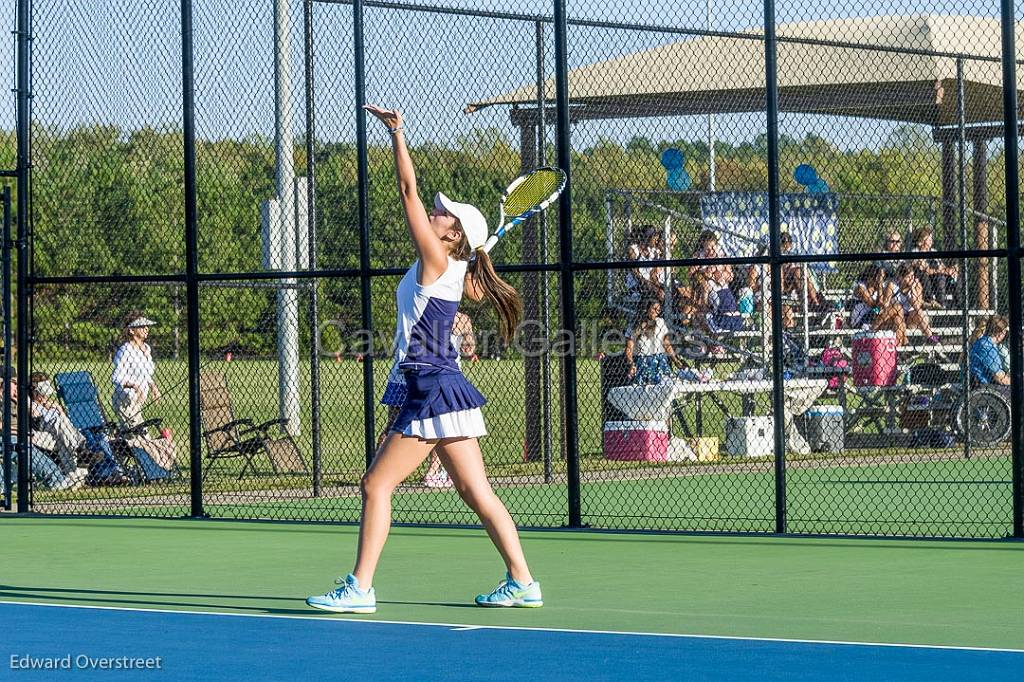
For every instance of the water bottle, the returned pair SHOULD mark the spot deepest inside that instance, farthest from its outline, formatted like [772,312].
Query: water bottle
[746,302]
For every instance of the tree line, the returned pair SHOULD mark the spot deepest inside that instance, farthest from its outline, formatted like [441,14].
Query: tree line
[108,201]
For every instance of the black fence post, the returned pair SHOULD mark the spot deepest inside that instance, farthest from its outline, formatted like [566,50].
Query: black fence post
[775,267]
[566,271]
[365,290]
[24,189]
[191,261]
[1011,156]
[314,303]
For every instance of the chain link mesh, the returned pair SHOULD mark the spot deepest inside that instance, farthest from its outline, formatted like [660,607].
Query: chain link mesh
[894,415]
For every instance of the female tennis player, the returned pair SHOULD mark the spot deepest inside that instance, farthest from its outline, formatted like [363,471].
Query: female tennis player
[441,411]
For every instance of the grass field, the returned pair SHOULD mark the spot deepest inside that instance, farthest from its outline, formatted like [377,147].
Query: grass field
[916,492]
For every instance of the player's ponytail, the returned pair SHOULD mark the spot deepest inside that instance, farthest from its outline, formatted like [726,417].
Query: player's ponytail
[500,293]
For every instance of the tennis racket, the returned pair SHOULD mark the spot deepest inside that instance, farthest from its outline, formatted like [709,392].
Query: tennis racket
[527,196]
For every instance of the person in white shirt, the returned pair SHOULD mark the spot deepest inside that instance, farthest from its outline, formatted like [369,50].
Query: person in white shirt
[649,351]
[642,281]
[133,371]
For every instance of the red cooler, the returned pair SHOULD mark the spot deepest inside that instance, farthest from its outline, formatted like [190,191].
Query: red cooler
[636,440]
[874,358]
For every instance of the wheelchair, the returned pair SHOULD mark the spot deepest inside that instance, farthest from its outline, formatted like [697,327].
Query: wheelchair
[982,417]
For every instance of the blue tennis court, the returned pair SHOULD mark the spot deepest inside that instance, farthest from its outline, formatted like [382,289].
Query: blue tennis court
[192,646]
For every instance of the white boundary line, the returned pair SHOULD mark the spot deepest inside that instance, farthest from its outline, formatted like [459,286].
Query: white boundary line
[466,626]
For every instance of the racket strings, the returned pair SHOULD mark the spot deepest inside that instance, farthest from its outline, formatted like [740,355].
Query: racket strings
[531,192]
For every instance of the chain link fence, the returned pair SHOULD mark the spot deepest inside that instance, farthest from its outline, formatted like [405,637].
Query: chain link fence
[786,257]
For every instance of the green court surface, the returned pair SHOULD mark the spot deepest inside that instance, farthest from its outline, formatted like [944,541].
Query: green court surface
[956,593]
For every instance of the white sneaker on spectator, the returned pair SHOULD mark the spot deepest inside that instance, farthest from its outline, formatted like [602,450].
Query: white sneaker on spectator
[70,482]
[438,480]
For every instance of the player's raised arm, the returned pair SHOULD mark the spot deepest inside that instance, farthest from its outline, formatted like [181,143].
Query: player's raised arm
[431,250]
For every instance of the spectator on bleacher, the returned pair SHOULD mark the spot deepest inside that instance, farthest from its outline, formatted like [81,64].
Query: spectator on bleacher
[874,305]
[42,468]
[938,280]
[909,295]
[133,371]
[649,352]
[893,243]
[69,449]
[708,247]
[986,360]
[723,313]
[645,282]
[793,279]
[667,279]
[703,278]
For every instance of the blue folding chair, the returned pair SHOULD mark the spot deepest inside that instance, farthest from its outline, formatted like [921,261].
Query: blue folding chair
[119,460]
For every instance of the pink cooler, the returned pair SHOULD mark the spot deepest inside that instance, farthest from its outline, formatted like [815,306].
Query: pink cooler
[636,440]
[874,358]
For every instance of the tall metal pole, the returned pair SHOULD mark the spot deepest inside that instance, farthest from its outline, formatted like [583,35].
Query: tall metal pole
[314,313]
[566,274]
[362,167]
[7,347]
[711,129]
[775,255]
[531,336]
[961,189]
[284,149]
[1012,157]
[21,244]
[545,311]
[191,260]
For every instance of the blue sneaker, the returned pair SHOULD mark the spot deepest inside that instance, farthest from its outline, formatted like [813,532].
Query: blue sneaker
[346,599]
[510,593]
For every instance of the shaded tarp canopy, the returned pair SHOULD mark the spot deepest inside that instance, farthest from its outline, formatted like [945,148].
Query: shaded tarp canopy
[712,74]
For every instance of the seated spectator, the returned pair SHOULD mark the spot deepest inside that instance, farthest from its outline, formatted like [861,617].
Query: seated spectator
[893,243]
[908,294]
[753,281]
[662,275]
[69,444]
[986,360]
[708,247]
[693,298]
[793,279]
[42,468]
[645,282]
[874,306]
[938,280]
[703,278]
[649,351]
[723,312]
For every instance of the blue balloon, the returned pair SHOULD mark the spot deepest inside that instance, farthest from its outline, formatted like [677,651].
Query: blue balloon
[672,159]
[805,174]
[679,180]
[818,187]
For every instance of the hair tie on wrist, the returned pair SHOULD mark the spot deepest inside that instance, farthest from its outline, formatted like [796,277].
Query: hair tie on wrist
[394,131]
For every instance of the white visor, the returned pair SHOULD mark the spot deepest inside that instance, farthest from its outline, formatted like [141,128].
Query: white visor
[472,220]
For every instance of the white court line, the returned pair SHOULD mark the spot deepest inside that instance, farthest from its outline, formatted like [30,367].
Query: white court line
[466,626]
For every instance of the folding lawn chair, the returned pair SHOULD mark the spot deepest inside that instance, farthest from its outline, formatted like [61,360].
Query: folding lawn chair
[121,455]
[227,437]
